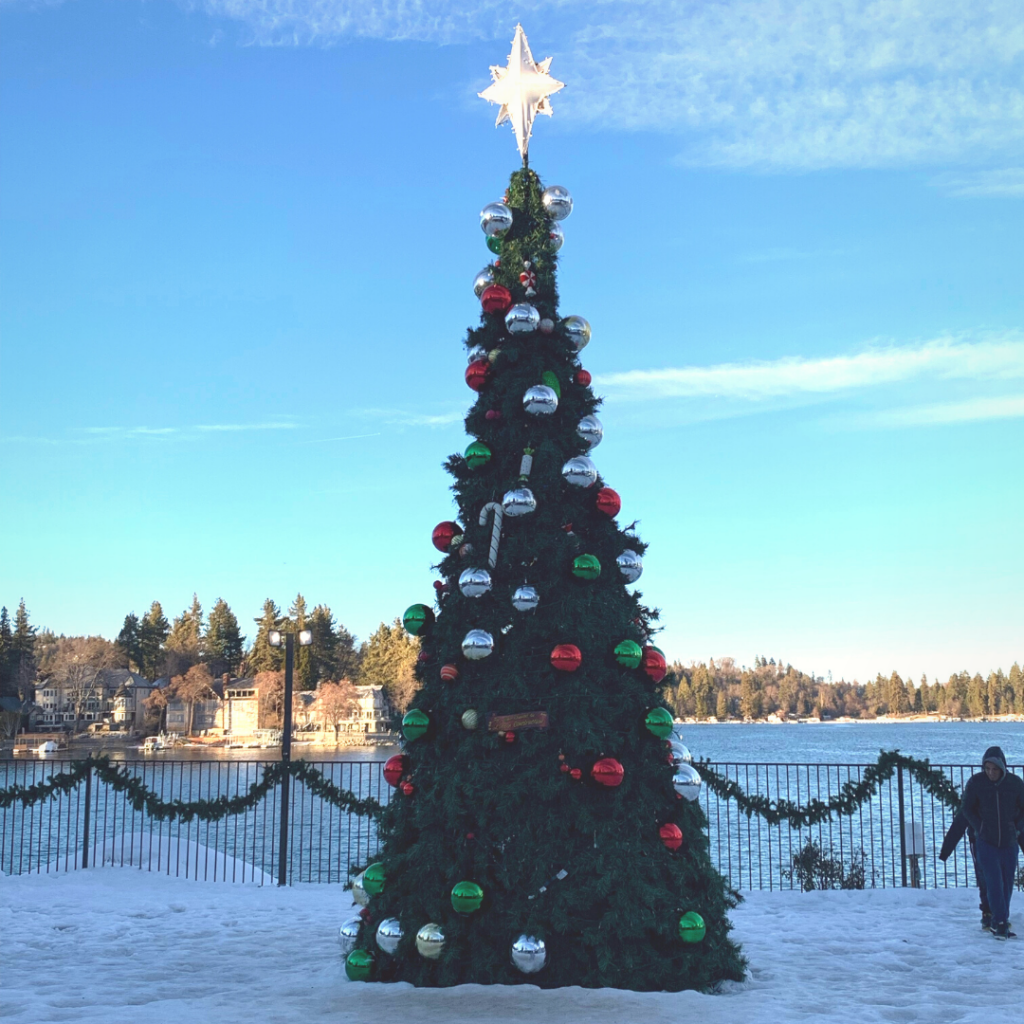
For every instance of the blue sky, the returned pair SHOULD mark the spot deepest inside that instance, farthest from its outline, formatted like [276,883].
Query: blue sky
[238,246]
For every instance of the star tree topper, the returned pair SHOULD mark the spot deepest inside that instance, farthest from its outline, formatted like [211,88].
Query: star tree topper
[522,89]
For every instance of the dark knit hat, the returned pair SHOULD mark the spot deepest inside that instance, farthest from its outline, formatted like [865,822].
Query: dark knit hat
[996,756]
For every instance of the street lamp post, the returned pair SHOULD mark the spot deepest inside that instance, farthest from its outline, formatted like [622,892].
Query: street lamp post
[305,639]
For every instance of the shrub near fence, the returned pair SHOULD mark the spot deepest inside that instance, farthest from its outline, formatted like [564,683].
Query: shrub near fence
[899,828]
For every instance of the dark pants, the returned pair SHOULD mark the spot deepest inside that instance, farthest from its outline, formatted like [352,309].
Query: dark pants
[998,866]
[982,895]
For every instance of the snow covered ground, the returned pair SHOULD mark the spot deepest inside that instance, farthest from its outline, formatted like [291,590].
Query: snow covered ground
[123,945]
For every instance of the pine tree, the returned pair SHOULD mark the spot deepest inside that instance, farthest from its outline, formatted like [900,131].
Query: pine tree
[23,653]
[305,674]
[508,828]
[129,641]
[1016,681]
[262,657]
[224,641]
[389,660]
[153,633]
[751,697]
[977,694]
[6,637]
[184,644]
[897,698]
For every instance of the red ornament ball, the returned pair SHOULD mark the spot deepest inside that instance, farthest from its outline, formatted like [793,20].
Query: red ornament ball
[608,772]
[471,835]
[478,373]
[576,773]
[653,663]
[563,768]
[449,673]
[608,502]
[408,788]
[583,378]
[496,298]
[364,913]
[394,768]
[492,414]
[510,737]
[443,534]
[566,657]
[423,657]
[671,836]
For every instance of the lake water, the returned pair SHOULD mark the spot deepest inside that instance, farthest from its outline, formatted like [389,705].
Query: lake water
[323,843]
[803,743]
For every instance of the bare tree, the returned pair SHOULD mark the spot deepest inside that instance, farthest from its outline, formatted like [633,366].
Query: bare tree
[195,685]
[336,701]
[78,685]
[271,690]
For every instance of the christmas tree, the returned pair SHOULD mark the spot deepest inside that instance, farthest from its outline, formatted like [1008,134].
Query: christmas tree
[545,827]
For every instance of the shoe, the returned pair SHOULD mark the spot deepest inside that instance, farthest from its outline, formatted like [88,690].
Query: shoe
[986,922]
[1002,931]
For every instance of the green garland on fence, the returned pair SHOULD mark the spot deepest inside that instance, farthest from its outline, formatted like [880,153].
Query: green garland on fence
[852,795]
[142,798]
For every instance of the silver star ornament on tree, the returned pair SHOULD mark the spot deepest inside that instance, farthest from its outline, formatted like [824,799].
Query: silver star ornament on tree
[522,89]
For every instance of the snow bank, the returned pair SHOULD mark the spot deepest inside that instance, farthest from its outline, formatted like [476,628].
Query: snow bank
[105,945]
[170,855]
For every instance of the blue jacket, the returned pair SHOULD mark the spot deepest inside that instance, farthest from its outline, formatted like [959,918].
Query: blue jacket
[995,810]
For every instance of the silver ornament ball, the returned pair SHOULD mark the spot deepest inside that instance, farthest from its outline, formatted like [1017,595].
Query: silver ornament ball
[540,400]
[529,954]
[557,202]
[525,598]
[495,219]
[580,472]
[546,326]
[519,502]
[483,280]
[680,752]
[577,330]
[389,935]
[430,941]
[687,782]
[556,237]
[359,894]
[348,934]
[477,644]
[631,565]
[470,719]
[591,430]
[522,318]
[474,582]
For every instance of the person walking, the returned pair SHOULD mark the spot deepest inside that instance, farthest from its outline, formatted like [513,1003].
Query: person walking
[993,805]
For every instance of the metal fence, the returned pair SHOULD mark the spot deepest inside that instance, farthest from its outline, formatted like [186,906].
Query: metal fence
[898,833]
[93,825]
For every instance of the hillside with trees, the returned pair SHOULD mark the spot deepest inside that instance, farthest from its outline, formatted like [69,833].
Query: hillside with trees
[214,642]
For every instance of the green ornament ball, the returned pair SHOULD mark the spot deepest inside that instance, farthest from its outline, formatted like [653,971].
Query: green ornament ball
[628,654]
[415,724]
[494,244]
[477,455]
[550,378]
[659,721]
[418,618]
[373,878]
[586,567]
[359,965]
[692,927]
[467,897]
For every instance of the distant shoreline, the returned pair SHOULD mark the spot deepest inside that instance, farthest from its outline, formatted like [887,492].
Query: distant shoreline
[880,720]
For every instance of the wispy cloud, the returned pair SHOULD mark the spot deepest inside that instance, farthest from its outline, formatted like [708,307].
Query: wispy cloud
[971,410]
[405,418]
[1004,181]
[236,427]
[347,437]
[994,359]
[100,434]
[748,83]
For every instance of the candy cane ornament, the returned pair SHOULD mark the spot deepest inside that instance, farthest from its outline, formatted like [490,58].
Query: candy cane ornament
[499,514]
